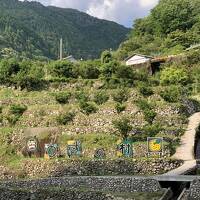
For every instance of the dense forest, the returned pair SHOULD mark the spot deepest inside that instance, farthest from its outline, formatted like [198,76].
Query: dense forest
[171,27]
[32,30]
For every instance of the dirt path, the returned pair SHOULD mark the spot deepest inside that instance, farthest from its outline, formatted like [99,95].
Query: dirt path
[185,151]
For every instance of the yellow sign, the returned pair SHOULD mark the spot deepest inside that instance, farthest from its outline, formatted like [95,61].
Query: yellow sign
[155,145]
[71,142]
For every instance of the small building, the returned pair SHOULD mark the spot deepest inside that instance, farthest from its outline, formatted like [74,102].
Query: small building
[71,59]
[137,59]
[152,64]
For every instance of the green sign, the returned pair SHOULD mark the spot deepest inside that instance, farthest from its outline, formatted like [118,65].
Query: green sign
[74,148]
[125,148]
[51,150]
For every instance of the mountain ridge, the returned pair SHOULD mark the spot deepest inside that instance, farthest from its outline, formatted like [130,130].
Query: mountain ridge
[84,36]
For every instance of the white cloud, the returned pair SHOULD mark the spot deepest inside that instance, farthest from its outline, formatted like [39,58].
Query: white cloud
[121,11]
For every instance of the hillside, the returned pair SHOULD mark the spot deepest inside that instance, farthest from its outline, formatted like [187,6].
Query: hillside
[33,30]
[171,27]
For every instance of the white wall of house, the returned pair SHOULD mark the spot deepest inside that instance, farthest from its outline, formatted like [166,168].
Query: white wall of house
[137,59]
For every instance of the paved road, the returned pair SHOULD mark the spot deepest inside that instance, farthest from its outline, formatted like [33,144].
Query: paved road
[185,151]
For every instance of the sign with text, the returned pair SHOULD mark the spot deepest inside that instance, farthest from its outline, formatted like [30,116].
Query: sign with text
[125,148]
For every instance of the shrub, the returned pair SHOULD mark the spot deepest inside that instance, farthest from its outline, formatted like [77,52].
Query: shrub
[142,75]
[89,70]
[8,68]
[124,72]
[171,94]
[101,97]
[63,97]
[82,96]
[65,118]
[30,76]
[149,115]
[62,69]
[106,57]
[12,119]
[123,126]
[152,130]
[108,69]
[1,118]
[121,95]
[17,109]
[1,109]
[143,104]
[145,90]
[120,107]
[174,75]
[88,107]
[193,57]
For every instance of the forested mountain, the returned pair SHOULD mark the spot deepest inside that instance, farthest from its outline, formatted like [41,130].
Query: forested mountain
[33,30]
[171,27]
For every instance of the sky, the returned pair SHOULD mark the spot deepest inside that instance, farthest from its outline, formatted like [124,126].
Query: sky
[121,11]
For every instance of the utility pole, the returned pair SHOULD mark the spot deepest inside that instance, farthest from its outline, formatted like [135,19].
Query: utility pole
[61,49]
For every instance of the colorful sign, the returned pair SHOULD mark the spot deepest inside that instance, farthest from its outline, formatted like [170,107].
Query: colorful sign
[100,154]
[32,145]
[155,145]
[74,148]
[51,150]
[125,148]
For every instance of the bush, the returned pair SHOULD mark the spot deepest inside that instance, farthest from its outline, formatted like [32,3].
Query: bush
[1,109]
[147,131]
[12,119]
[123,126]
[65,118]
[101,97]
[89,70]
[145,90]
[171,94]
[82,96]
[108,69]
[17,109]
[120,107]
[106,57]
[143,104]
[63,97]
[174,75]
[8,68]
[1,118]
[88,107]
[193,57]
[149,115]
[63,69]
[124,72]
[121,95]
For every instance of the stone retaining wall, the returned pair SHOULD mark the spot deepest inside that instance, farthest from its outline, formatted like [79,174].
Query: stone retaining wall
[194,191]
[112,184]
[79,188]
[13,194]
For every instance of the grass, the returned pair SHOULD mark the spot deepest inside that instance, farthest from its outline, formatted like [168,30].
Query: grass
[43,109]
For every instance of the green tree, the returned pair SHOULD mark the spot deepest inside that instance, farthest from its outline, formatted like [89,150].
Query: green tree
[174,75]
[123,126]
[106,57]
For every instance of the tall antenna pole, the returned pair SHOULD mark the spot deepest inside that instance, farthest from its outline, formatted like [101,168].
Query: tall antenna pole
[61,49]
